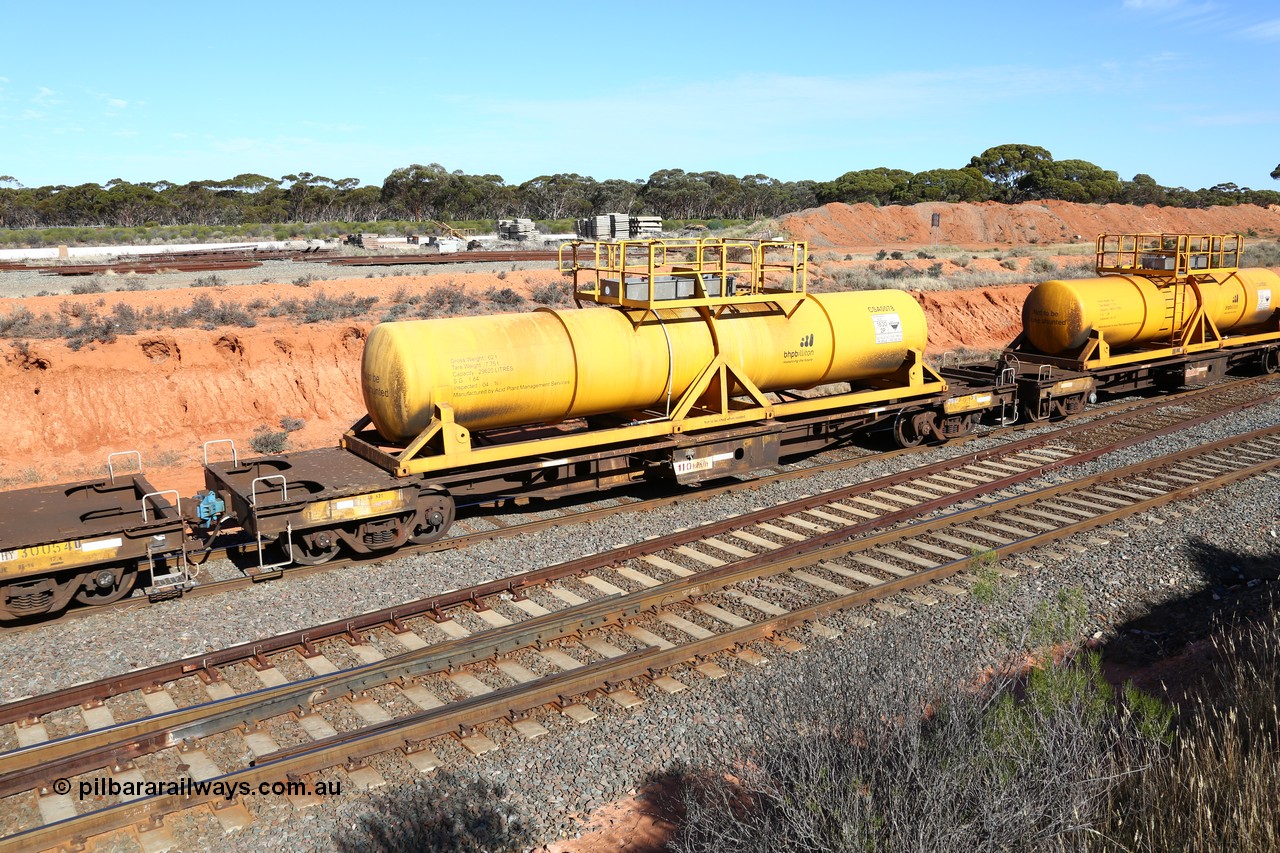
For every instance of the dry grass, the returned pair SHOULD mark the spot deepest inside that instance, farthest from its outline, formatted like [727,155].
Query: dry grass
[945,274]
[884,756]
[1218,786]
[81,324]
[1260,253]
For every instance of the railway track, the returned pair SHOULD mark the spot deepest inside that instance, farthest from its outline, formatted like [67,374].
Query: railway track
[1118,423]
[391,681]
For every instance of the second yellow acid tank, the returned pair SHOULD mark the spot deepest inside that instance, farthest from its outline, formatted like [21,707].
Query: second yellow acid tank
[1058,316]
[547,366]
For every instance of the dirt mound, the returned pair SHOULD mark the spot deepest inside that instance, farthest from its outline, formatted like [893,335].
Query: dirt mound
[981,319]
[991,223]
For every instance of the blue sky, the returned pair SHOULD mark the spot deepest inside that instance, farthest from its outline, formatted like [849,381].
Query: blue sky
[1186,91]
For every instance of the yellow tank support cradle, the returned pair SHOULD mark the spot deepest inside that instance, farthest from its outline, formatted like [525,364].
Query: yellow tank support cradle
[1173,257]
[686,273]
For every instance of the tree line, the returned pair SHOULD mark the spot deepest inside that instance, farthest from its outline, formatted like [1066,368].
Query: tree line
[1005,173]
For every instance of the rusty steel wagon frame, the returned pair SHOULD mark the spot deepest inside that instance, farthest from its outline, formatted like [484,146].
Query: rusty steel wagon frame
[309,501]
[91,540]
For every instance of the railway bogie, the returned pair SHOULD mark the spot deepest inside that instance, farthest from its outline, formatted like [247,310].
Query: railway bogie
[312,502]
[90,541]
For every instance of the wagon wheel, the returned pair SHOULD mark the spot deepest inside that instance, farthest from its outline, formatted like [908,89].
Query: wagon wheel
[912,427]
[103,587]
[315,547]
[1271,360]
[434,517]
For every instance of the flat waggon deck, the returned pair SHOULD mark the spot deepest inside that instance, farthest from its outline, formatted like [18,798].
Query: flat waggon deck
[329,472]
[83,509]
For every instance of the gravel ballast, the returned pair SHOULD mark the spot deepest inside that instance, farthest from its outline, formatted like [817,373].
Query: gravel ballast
[577,768]
[560,778]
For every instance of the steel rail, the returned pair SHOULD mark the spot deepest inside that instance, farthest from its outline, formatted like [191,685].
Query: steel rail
[76,753]
[433,605]
[409,732]
[447,258]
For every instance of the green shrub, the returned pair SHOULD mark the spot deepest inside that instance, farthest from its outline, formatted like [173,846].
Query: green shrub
[204,311]
[446,299]
[321,308]
[447,813]
[267,441]
[506,297]
[555,293]
[125,319]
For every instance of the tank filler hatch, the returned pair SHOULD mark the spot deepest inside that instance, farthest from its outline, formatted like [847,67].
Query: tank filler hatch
[1169,258]
[680,273]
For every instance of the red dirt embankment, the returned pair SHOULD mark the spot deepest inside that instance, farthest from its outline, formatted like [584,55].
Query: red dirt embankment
[164,393]
[981,319]
[991,223]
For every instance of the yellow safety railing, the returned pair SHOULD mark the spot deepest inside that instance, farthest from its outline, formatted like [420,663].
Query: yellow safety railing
[1169,256]
[686,272]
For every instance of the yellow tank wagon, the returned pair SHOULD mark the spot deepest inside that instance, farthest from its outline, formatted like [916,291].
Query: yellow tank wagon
[550,365]
[1165,310]
[675,341]
[1157,296]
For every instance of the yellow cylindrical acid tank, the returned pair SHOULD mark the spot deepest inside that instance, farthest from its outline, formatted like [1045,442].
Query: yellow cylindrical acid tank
[1128,309]
[548,365]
